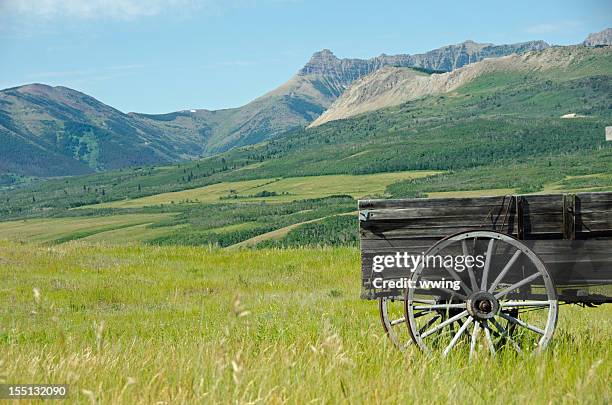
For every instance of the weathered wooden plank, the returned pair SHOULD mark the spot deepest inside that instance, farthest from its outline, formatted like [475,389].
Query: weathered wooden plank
[440,231]
[595,196]
[569,221]
[592,221]
[430,212]
[532,199]
[589,246]
[532,225]
[535,200]
[430,202]
[520,217]
[541,247]
[597,206]
[374,245]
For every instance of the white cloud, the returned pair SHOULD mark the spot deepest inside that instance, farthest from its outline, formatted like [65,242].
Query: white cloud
[87,9]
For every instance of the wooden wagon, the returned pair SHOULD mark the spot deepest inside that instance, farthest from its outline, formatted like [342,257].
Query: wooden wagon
[492,270]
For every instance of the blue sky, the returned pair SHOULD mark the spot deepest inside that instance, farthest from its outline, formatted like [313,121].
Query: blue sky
[165,55]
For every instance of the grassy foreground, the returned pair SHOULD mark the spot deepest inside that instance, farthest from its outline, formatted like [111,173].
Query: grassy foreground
[141,324]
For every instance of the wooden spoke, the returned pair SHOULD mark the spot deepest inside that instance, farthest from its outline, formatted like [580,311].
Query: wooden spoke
[521,323]
[429,323]
[470,269]
[527,303]
[420,314]
[440,306]
[454,274]
[475,333]
[424,301]
[452,293]
[487,265]
[506,268]
[443,324]
[398,321]
[518,284]
[457,336]
[504,333]
[487,332]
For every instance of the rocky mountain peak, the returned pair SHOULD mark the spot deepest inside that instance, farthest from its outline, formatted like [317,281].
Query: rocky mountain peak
[321,62]
[324,53]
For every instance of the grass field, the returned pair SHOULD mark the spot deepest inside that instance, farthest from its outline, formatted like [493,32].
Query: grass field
[129,226]
[143,324]
[286,189]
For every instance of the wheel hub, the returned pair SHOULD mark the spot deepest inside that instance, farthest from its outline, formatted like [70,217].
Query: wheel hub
[482,305]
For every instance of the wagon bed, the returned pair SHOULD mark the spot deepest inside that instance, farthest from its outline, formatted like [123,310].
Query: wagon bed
[572,234]
[540,250]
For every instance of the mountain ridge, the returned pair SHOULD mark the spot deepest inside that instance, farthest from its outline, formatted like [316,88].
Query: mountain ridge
[391,86]
[86,135]
[306,95]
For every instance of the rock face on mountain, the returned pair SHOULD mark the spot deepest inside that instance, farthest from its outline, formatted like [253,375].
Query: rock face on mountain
[452,57]
[392,86]
[447,58]
[599,38]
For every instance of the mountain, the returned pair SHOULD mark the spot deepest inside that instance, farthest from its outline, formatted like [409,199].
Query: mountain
[599,38]
[56,131]
[53,131]
[502,129]
[393,86]
[310,92]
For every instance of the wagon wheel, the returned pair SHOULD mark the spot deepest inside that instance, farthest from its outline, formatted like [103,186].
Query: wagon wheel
[393,319]
[505,301]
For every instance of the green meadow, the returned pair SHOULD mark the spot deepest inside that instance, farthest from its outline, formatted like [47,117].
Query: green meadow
[277,189]
[58,230]
[144,324]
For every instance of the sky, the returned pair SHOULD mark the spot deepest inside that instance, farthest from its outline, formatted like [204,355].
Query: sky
[157,56]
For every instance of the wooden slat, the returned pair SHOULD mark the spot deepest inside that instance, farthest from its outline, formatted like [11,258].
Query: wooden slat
[569,222]
[430,202]
[520,217]
[415,225]
[595,197]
